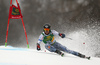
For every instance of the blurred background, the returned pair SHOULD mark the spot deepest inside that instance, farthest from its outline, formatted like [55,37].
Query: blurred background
[78,19]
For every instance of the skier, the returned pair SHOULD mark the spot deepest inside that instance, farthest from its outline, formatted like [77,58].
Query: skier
[52,45]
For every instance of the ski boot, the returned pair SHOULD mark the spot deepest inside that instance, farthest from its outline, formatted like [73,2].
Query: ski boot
[88,57]
[59,52]
[83,56]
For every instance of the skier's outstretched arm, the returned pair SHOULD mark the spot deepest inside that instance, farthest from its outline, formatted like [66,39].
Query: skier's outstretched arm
[57,33]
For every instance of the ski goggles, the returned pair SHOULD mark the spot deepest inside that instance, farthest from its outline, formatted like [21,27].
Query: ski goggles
[46,29]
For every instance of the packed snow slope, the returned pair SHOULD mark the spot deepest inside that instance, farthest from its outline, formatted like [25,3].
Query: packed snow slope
[19,56]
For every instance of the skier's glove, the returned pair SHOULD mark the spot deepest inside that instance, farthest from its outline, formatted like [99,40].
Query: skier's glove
[62,35]
[38,47]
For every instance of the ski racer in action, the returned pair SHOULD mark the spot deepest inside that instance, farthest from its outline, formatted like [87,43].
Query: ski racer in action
[52,45]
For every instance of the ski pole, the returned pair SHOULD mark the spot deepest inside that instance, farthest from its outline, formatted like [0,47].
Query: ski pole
[68,38]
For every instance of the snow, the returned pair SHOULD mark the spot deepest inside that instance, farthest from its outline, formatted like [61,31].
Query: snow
[20,56]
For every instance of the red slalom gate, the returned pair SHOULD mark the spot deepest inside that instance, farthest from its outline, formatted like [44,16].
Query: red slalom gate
[15,13]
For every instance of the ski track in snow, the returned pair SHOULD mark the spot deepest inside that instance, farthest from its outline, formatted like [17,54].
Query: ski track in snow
[19,56]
